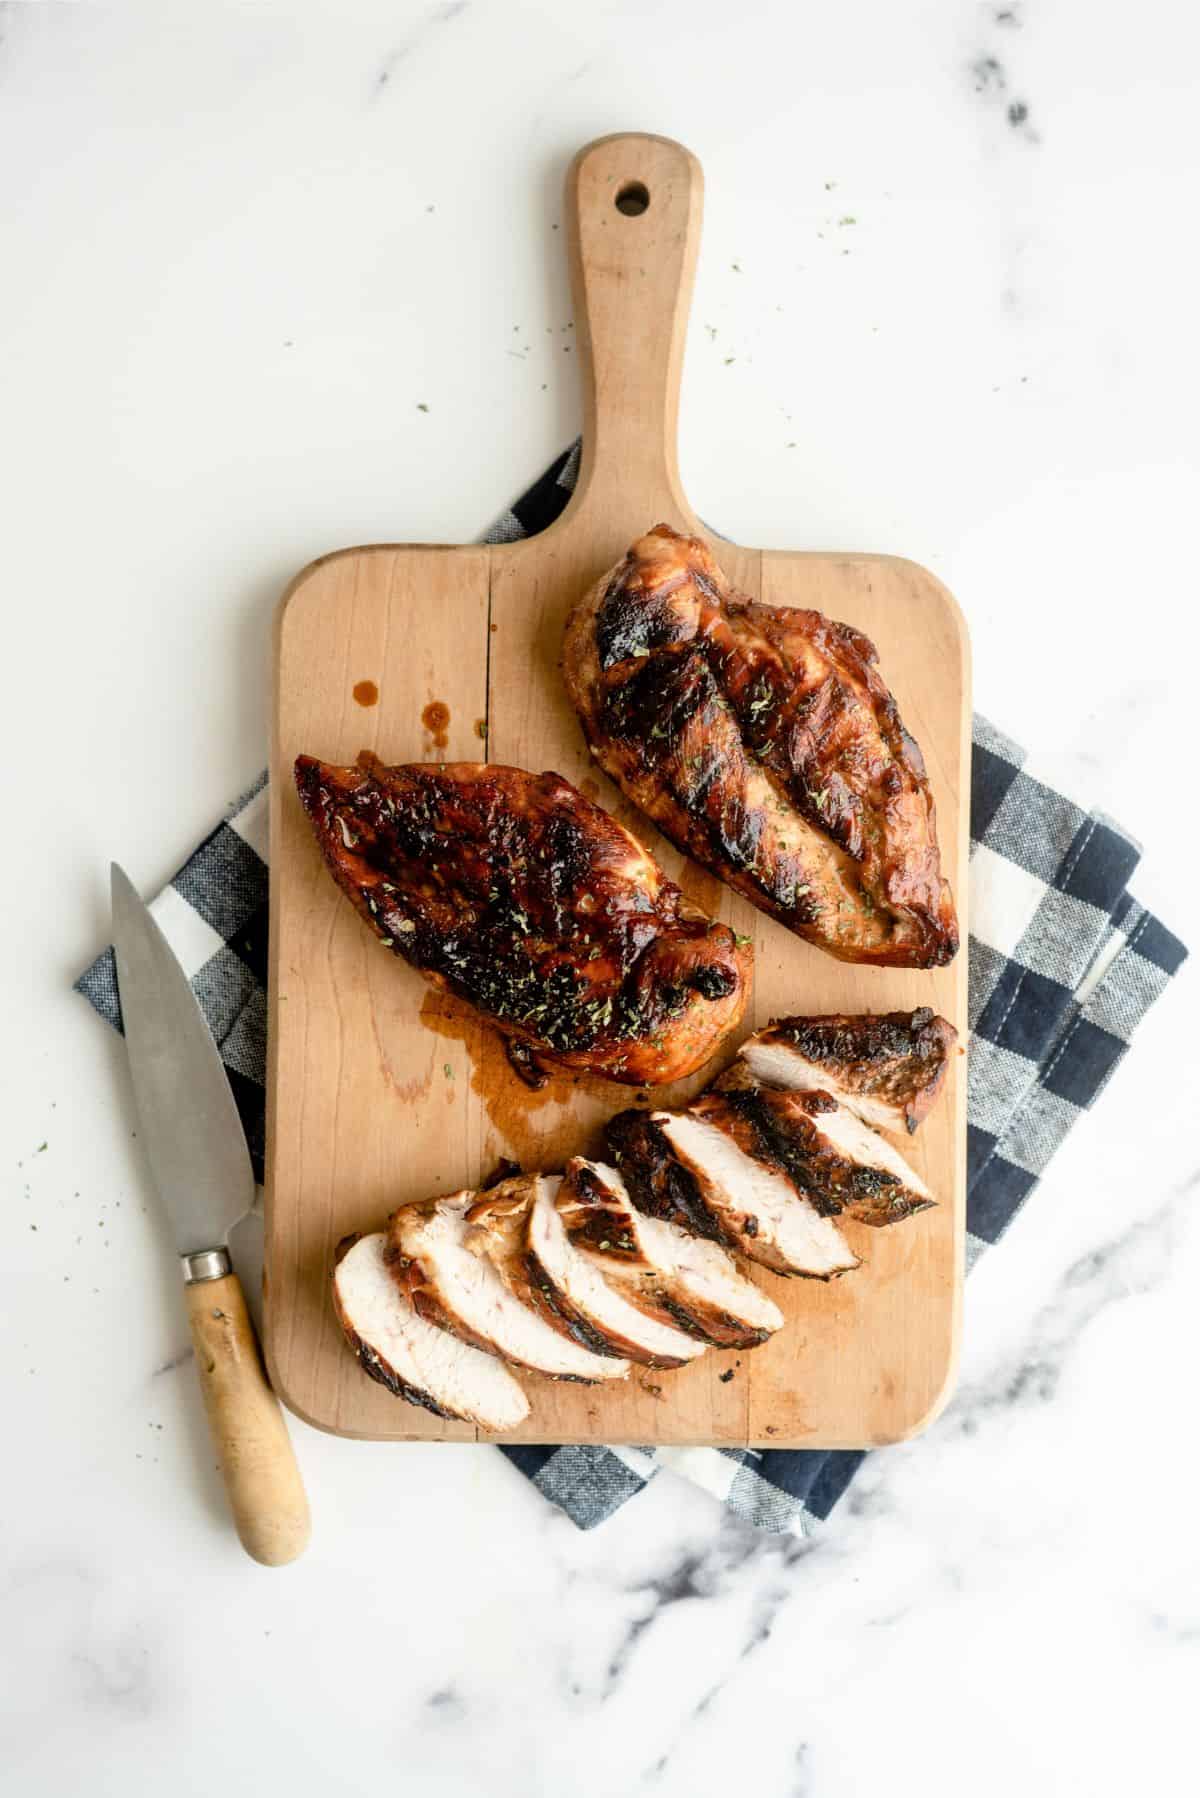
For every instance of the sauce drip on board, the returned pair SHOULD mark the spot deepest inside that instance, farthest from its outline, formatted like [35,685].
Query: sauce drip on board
[436,719]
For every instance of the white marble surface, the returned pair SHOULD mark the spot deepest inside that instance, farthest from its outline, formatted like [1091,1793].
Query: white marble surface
[242,244]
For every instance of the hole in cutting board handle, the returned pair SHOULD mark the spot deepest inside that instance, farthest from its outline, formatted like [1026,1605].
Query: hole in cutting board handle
[633,199]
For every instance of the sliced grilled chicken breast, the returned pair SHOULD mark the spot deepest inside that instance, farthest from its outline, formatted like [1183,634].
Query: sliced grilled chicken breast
[415,1359]
[688,1169]
[445,1257]
[887,1067]
[665,1271]
[829,1155]
[587,1306]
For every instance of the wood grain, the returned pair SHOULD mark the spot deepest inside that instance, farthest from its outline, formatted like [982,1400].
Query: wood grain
[258,1463]
[382,1093]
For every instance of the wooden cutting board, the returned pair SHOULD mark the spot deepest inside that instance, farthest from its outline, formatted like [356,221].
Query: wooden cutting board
[381,1091]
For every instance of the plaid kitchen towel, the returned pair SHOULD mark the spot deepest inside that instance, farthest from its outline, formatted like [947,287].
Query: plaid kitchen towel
[1063,966]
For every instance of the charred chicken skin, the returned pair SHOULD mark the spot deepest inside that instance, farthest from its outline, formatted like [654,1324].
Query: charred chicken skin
[886,1067]
[827,1152]
[664,1270]
[696,1168]
[514,892]
[764,743]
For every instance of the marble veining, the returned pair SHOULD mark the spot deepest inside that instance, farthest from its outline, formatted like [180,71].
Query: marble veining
[992,80]
[1128,1265]
[434,16]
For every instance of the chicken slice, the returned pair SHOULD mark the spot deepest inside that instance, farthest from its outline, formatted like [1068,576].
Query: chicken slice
[445,1255]
[827,1153]
[591,1309]
[689,1170]
[415,1359]
[669,1274]
[886,1067]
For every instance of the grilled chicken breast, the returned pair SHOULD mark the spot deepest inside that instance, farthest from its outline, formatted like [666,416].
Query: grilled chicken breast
[830,1156]
[764,743]
[887,1068]
[691,1169]
[412,1358]
[669,1274]
[445,1254]
[516,893]
[585,1304]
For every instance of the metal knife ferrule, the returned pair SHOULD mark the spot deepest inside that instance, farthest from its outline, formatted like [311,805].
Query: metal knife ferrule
[205,1264]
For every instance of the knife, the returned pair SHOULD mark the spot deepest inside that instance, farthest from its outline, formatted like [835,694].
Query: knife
[201,1166]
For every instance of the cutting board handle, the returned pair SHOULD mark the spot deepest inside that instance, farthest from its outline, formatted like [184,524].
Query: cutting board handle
[633,205]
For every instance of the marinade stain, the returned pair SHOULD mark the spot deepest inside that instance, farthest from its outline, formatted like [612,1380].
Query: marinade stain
[436,719]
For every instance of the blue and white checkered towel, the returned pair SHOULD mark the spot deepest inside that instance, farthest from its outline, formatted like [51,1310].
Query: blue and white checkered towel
[1063,966]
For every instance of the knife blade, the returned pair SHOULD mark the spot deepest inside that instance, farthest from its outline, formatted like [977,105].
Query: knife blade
[192,1132]
[201,1166]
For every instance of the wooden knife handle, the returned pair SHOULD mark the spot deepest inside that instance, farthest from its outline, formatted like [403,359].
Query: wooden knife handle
[634,205]
[265,1490]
